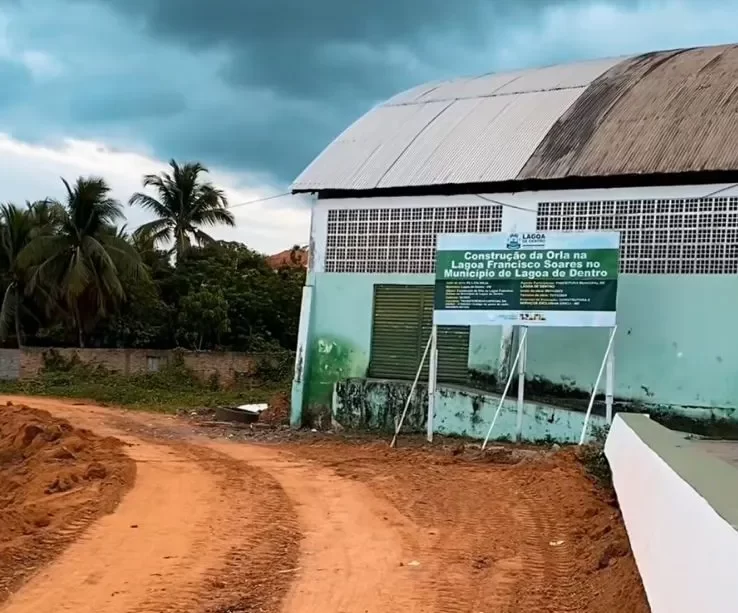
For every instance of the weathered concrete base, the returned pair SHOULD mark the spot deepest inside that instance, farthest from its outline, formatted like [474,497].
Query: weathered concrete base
[374,404]
[680,507]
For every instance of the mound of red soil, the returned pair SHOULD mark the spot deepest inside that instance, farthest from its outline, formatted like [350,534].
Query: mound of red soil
[54,480]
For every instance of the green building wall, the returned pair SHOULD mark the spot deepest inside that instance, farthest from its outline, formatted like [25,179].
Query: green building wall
[674,347]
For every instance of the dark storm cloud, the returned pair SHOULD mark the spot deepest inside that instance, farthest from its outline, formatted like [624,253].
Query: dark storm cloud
[263,85]
[118,102]
[343,55]
[314,48]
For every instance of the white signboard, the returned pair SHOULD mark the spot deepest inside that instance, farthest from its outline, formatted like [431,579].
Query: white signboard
[528,279]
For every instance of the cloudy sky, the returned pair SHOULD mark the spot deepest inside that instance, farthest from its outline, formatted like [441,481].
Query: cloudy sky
[256,88]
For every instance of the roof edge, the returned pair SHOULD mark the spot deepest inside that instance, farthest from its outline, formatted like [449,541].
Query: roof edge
[533,185]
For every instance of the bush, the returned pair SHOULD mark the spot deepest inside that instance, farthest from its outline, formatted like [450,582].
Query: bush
[592,456]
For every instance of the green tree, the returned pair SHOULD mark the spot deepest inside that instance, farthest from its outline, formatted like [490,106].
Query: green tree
[16,232]
[18,227]
[82,268]
[263,304]
[204,316]
[185,205]
[46,214]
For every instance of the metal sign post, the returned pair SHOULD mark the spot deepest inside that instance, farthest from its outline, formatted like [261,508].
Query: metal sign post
[411,394]
[605,360]
[522,344]
[521,382]
[432,375]
[610,383]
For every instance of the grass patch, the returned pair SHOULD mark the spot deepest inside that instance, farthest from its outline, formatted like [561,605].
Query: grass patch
[173,388]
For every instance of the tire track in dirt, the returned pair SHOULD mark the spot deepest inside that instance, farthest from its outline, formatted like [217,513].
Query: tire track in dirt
[461,533]
[353,557]
[122,556]
[199,531]
[470,573]
[545,579]
[255,525]
[381,530]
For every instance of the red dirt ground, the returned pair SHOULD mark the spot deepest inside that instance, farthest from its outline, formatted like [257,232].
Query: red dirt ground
[518,533]
[54,481]
[218,526]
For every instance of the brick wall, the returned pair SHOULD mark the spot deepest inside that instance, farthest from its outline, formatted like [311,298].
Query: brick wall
[9,364]
[228,365]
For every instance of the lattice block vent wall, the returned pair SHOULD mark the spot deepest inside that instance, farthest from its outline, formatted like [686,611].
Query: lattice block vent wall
[399,240]
[674,236]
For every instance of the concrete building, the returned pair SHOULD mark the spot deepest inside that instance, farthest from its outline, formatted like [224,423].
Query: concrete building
[645,145]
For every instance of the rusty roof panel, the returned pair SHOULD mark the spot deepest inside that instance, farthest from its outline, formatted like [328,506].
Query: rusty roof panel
[667,112]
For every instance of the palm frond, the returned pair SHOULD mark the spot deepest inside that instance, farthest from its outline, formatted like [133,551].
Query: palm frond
[203,238]
[149,203]
[158,231]
[9,310]
[215,217]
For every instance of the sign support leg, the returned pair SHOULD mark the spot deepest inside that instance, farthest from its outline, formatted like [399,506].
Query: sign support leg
[504,393]
[412,392]
[610,384]
[596,385]
[432,379]
[521,382]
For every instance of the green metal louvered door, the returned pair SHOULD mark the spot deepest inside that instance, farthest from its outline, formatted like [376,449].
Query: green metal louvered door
[401,325]
[453,344]
[396,332]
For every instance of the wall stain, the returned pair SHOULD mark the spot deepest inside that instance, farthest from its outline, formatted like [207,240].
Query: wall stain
[375,404]
[486,381]
[647,391]
[540,387]
[299,364]
[477,405]
[331,360]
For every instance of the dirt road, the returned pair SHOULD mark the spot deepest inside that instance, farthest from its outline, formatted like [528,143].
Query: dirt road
[218,526]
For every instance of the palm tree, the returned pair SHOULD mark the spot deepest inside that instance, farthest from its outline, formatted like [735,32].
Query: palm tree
[185,204]
[17,229]
[84,266]
[46,215]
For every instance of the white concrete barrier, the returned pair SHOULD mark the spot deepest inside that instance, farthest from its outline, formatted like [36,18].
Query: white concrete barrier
[680,511]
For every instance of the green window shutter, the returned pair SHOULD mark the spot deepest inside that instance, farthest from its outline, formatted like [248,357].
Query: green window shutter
[401,325]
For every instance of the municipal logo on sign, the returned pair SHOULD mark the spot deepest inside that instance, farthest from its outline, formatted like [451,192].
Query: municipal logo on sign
[534,239]
[513,241]
[532,317]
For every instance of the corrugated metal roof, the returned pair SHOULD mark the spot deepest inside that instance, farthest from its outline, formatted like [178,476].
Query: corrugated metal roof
[481,129]
[666,112]
[663,112]
[479,140]
[497,84]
